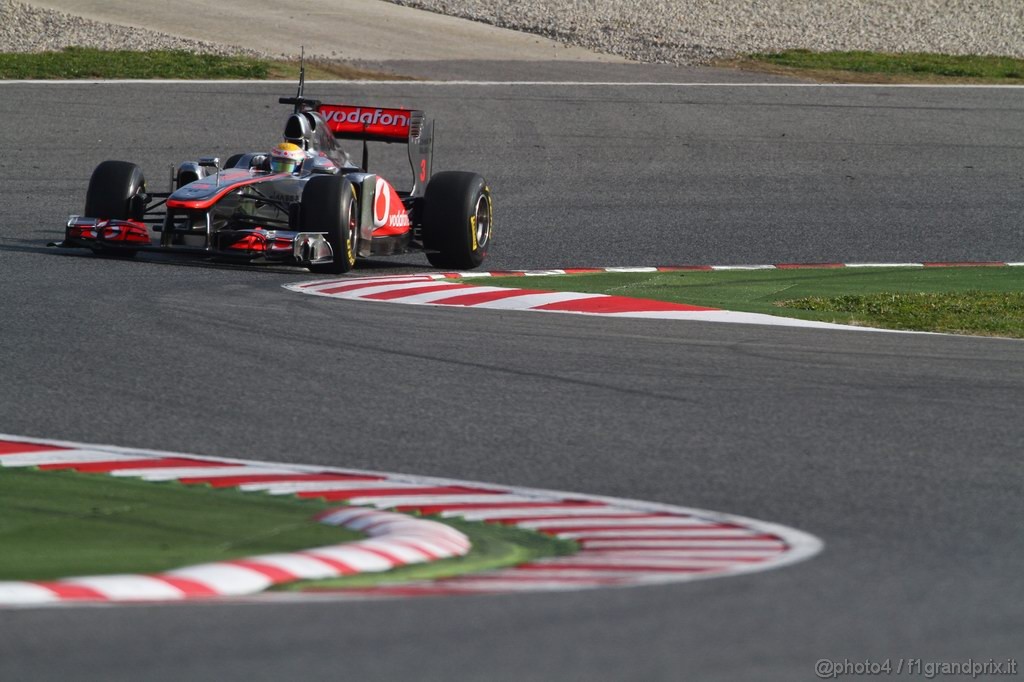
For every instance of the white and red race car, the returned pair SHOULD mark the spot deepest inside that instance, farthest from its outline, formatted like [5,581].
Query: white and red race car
[324,215]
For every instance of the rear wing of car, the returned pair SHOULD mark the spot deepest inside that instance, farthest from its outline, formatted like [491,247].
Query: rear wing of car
[377,124]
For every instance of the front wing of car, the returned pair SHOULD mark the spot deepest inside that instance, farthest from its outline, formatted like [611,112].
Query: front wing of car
[256,244]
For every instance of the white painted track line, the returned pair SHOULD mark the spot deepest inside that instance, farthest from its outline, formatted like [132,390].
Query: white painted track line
[489,83]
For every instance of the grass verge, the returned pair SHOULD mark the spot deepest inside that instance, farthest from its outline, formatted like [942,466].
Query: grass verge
[963,300]
[88,63]
[56,524]
[987,313]
[882,67]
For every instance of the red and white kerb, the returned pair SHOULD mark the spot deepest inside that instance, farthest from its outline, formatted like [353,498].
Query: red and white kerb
[621,542]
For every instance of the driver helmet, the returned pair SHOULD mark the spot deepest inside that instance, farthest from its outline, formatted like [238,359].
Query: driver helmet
[286,158]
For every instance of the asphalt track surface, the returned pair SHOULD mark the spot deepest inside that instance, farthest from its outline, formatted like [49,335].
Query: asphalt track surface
[901,452]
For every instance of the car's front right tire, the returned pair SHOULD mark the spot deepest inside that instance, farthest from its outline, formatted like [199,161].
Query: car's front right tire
[329,205]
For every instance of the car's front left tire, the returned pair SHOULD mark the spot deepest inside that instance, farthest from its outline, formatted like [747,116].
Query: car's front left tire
[117,191]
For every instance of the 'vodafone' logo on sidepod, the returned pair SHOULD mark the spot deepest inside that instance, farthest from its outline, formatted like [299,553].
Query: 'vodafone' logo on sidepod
[381,203]
[382,215]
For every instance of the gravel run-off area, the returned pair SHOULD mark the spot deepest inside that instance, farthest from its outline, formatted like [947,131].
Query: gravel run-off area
[667,31]
[24,28]
[697,31]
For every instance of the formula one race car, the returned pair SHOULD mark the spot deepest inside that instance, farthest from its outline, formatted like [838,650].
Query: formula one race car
[305,203]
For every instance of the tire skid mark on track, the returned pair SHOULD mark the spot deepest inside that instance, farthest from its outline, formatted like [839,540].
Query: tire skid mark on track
[622,542]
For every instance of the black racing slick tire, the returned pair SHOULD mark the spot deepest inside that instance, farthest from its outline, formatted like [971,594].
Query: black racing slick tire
[329,205]
[116,191]
[458,220]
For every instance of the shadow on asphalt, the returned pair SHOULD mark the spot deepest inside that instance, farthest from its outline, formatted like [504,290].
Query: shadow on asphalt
[363,267]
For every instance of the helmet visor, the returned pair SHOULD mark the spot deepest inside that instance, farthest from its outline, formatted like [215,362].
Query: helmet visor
[279,165]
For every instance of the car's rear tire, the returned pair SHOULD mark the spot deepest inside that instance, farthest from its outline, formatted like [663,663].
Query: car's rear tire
[457,220]
[117,191]
[329,205]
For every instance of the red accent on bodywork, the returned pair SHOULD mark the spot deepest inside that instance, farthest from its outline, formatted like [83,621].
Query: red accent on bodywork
[82,232]
[229,181]
[390,124]
[131,231]
[389,214]
[250,242]
[258,240]
[126,231]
